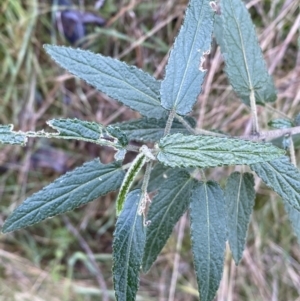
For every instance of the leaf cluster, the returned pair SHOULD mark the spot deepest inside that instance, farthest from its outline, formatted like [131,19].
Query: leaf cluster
[174,152]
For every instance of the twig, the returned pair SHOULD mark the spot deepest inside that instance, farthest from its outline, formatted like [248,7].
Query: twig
[169,122]
[255,126]
[272,134]
[197,131]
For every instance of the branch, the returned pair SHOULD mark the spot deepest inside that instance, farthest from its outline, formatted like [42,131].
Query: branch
[272,134]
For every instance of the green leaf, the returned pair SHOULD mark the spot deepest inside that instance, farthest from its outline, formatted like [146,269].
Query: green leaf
[283,177]
[150,129]
[297,120]
[279,142]
[87,131]
[245,65]
[8,136]
[281,123]
[184,72]
[294,217]
[131,174]
[208,151]
[158,176]
[128,247]
[208,234]
[169,204]
[239,198]
[127,84]
[80,186]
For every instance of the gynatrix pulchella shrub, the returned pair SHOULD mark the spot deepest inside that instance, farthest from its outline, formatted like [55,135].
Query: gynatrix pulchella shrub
[180,153]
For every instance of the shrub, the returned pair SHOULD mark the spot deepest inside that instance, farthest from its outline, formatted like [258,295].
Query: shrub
[175,166]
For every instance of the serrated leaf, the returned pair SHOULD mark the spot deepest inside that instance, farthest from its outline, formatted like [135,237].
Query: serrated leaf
[208,234]
[8,136]
[80,186]
[281,123]
[279,142]
[150,129]
[297,120]
[128,247]
[239,198]
[294,217]
[158,176]
[218,32]
[184,72]
[131,174]
[208,151]
[169,204]
[281,176]
[245,65]
[127,84]
[87,131]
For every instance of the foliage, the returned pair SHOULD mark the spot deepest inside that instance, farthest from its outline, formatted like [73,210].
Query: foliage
[182,151]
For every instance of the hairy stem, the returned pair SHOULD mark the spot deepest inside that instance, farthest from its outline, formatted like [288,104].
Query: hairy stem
[272,134]
[292,152]
[255,126]
[197,131]
[169,122]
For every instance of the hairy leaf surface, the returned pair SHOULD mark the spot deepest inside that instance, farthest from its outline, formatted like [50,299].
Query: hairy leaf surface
[281,123]
[150,129]
[159,174]
[167,207]
[294,217]
[283,177]
[127,84]
[80,186]
[8,136]
[245,65]
[208,234]
[87,131]
[208,151]
[184,72]
[128,247]
[239,197]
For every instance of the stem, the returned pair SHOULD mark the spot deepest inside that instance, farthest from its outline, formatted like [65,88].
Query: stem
[169,122]
[255,126]
[146,177]
[197,131]
[203,177]
[133,148]
[292,152]
[273,134]
[186,124]
[144,197]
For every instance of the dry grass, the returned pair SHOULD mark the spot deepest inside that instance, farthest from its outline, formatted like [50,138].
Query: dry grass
[51,261]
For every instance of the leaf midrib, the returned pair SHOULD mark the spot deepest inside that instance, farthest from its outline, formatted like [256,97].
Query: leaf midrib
[189,58]
[116,78]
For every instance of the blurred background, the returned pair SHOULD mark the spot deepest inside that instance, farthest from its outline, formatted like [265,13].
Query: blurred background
[69,257]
